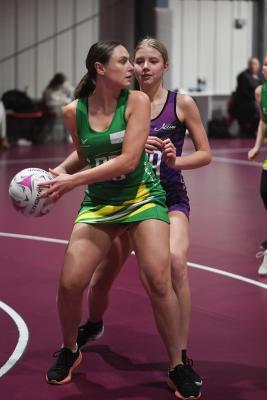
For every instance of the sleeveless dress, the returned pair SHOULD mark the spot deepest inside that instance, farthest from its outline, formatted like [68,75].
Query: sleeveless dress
[264,112]
[168,126]
[133,197]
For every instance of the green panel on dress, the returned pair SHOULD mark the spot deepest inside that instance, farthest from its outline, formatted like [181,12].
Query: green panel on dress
[128,198]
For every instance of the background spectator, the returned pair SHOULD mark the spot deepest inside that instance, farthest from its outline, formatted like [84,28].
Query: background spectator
[243,105]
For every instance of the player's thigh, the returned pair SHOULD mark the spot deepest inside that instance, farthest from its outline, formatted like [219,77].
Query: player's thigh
[179,234]
[151,242]
[108,269]
[88,246]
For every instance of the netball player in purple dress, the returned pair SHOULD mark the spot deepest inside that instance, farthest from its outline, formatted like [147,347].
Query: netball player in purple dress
[171,115]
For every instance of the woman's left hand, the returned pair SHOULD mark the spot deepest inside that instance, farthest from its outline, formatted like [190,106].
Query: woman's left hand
[169,153]
[54,189]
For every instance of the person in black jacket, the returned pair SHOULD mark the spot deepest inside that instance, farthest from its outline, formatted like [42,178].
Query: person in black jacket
[244,107]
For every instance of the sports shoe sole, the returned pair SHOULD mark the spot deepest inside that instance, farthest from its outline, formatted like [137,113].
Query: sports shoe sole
[68,378]
[178,394]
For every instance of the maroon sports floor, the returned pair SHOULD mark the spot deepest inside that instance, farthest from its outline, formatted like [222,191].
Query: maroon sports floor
[228,335]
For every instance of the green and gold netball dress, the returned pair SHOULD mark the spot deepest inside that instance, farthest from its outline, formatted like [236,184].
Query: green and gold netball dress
[128,198]
[264,112]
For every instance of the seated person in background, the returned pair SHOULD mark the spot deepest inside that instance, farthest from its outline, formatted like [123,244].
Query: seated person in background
[57,94]
[243,105]
[3,138]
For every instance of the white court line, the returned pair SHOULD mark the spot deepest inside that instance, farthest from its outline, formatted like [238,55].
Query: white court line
[33,161]
[22,341]
[236,150]
[194,265]
[23,330]
[235,161]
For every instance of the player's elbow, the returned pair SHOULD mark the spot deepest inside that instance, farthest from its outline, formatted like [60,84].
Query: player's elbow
[207,158]
[131,164]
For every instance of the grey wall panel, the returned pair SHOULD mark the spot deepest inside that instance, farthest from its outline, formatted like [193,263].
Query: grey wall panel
[164,29]
[45,69]
[242,39]
[64,58]
[176,8]
[86,9]
[7,31]
[26,70]
[117,22]
[64,14]
[7,74]
[190,47]
[206,42]
[222,47]
[46,15]
[84,39]
[25,24]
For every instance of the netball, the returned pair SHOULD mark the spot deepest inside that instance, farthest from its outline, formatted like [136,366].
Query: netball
[24,192]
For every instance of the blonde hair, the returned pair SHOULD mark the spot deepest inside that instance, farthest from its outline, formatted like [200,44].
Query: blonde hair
[155,44]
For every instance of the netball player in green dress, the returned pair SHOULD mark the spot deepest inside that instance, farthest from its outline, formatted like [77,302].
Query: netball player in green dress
[261,98]
[109,127]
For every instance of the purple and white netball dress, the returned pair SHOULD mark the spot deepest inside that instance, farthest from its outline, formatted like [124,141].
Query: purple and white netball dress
[167,125]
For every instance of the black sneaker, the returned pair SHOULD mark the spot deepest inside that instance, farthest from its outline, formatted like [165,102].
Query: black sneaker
[60,372]
[188,363]
[181,383]
[89,332]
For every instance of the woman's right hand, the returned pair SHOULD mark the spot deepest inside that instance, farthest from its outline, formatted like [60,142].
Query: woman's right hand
[252,154]
[153,143]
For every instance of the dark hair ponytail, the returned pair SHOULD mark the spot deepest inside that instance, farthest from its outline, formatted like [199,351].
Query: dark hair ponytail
[99,52]
[85,87]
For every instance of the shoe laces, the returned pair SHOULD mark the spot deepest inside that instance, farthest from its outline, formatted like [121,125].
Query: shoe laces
[188,361]
[63,358]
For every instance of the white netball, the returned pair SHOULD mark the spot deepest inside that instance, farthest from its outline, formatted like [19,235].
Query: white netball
[25,193]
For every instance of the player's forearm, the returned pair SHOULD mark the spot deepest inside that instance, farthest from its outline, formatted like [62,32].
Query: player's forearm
[198,159]
[113,168]
[71,164]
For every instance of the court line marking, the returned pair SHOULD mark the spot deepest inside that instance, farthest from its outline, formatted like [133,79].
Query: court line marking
[22,327]
[22,341]
[193,265]
[237,161]
[214,151]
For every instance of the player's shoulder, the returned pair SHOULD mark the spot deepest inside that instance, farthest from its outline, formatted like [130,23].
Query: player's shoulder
[185,101]
[258,92]
[70,109]
[136,96]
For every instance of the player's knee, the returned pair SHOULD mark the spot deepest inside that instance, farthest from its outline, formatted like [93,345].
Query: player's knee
[98,289]
[159,284]
[71,287]
[179,266]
